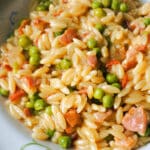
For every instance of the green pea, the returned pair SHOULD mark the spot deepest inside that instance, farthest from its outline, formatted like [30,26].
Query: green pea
[50,133]
[117,85]
[39,104]
[98,93]
[65,64]
[24,42]
[91,43]
[47,3]
[108,101]
[106,3]
[147,132]
[97,50]
[123,7]
[99,12]
[34,59]
[72,88]
[4,92]
[109,138]
[34,97]
[111,78]
[29,104]
[33,50]
[147,21]
[64,141]
[96,4]
[48,110]
[115,4]
[100,27]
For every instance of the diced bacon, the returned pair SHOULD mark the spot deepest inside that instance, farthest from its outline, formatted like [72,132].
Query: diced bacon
[127,143]
[124,81]
[130,60]
[40,24]
[23,24]
[15,97]
[101,116]
[141,48]
[29,81]
[69,130]
[68,36]
[92,60]
[27,112]
[112,62]
[135,120]
[72,118]
[7,67]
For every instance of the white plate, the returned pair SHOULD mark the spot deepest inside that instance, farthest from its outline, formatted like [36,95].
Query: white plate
[12,133]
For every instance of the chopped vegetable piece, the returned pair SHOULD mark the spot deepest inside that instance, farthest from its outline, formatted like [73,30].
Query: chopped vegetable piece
[111,78]
[24,42]
[4,92]
[39,104]
[106,3]
[50,133]
[123,7]
[117,85]
[135,120]
[98,93]
[108,101]
[96,4]
[58,33]
[48,110]
[99,12]
[64,141]
[41,8]
[17,95]
[65,64]
[91,43]
[72,118]
[69,130]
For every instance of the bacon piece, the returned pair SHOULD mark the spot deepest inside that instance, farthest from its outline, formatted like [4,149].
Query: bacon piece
[72,118]
[27,112]
[68,36]
[23,24]
[112,62]
[135,120]
[124,81]
[15,97]
[92,60]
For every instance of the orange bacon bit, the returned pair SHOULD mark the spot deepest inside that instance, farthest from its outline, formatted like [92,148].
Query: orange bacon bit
[124,81]
[68,36]
[15,97]
[23,24]
[72,118]
[29,81]
[27,112]
[40,24]
[69,130]
[112,62]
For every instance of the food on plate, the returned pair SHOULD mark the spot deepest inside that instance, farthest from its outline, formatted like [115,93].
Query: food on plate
[77,73]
